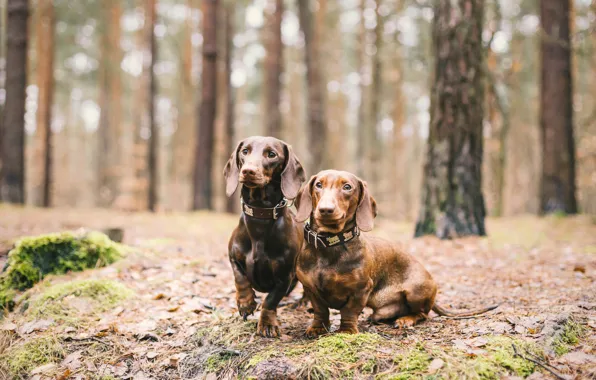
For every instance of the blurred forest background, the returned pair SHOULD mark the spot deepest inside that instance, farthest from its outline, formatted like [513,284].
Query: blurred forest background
[116,89]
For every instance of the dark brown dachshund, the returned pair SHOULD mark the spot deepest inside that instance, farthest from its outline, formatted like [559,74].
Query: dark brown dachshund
[264,246]
[341,270]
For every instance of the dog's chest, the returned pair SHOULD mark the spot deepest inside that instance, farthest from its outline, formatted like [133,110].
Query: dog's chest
[330,285]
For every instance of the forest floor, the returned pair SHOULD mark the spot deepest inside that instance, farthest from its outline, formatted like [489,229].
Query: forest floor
[168,310]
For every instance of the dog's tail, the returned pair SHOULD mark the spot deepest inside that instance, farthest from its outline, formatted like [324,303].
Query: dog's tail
[463,314]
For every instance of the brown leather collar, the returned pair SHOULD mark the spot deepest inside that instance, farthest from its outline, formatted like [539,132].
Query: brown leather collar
[263,212]
[329,240]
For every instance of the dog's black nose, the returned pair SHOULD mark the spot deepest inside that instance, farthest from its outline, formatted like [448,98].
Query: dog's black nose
[326,210]
[248,171]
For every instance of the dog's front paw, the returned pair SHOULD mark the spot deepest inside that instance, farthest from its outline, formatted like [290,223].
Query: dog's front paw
[268,330]
[314,331]
[246,307]
[268,326]
[348,330]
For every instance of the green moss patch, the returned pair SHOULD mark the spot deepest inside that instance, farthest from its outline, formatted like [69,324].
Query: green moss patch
[568,337]
[494,361]
[21,359]
[336,354]
[62,301]
[33,258]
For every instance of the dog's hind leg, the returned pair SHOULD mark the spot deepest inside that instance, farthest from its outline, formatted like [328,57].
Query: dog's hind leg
[388,312]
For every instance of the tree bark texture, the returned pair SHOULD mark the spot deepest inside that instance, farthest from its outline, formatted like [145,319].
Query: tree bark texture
[231,202]
[361,127]
[373,142]
[202,191]
[317,127]
[110,90]
[557,190]
[273,68]
[12,172]
[45,83]
[452,201]
[152,158]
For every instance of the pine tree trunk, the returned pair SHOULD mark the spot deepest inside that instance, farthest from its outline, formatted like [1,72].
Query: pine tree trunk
[45,79]
[231,202]
[273,69]
[152,159]
[110,103]
[317,128]
[361,126]
[373,142]
[206,127]
[557,190]
[452,201]
[12,172]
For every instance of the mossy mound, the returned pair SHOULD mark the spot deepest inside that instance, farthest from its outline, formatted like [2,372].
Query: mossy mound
[21,359]
[62,302]
[229,348]
[33,258]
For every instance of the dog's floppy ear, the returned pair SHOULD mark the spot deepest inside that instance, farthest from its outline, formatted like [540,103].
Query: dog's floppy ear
[231,171]
[304,201]
[293,174]
[367,209]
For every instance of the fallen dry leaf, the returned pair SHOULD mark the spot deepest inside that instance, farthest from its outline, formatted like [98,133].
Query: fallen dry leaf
[435,365]
[72,361]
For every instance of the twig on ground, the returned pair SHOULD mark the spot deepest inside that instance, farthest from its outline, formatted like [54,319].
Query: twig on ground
[537,362]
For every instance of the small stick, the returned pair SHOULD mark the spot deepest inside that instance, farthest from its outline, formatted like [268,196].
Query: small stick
[537,362]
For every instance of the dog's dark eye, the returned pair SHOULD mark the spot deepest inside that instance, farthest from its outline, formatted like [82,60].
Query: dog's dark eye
[271,154]
[347,187]
[319,185]
[245,151]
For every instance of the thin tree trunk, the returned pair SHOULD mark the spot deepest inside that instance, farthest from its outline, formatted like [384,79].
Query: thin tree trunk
[45,82]
[152,159]
[452,201]
[374,144]
[230,97]
[12,172]
[206,127]
[396,164]
[361,127]
[273,69]
[315,83]
[557,190]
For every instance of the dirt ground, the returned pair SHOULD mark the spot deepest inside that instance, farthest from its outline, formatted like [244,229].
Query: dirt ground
[180,319]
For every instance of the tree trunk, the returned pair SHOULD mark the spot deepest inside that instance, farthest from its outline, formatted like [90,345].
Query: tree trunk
[273,68]
[557,190]
[452,201]
[230,98]
[152,159]
[317,129]
[361,127]
[45,83]
[206,128]
[110,104]
[12,172]
[373,142]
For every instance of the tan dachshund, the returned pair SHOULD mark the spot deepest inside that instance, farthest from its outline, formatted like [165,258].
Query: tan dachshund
[340,269]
